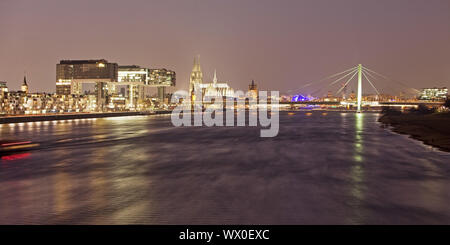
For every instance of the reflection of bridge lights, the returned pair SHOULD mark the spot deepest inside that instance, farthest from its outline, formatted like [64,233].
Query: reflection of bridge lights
[358,145]
[358,158]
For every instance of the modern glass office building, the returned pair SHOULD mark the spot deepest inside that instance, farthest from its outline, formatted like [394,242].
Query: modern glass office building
[70,74]
[433,94]
[162,77]
[133,74]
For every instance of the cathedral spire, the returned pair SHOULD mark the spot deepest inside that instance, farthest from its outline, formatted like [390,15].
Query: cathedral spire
[197,63]
[196,75]
[215,77]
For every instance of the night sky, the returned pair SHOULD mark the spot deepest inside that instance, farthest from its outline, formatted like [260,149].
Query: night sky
[281,44]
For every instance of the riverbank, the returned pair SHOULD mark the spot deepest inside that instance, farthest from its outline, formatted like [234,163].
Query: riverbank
[432,129]
[71,116]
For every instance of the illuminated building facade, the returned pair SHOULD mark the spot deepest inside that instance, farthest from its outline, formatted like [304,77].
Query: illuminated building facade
[162,78]
[212,89]
[117,103]
[71,74]
[15,103]
[133,73]
[104,78]
[3,88]
[3,92]
[216,89]
[19,103]
[134,78]
[433,94]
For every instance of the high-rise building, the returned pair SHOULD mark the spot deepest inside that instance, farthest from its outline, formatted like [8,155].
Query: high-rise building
[133,73]
[162,77]
[72,74]
[433,94]
[152,77]
[134,77]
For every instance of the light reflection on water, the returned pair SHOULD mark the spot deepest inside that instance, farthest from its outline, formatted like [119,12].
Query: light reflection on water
[336,168]
[357,170]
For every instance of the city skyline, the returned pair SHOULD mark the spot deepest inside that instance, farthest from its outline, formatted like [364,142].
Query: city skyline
[175,115]
[299,42]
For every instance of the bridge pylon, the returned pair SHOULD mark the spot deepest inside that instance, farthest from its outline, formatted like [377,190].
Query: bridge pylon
[359,88]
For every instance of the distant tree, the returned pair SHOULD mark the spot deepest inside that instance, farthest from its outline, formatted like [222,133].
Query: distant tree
[447,103]
[387,110]
[422,110]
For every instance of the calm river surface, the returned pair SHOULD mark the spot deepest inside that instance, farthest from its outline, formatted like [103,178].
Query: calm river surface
[339,168]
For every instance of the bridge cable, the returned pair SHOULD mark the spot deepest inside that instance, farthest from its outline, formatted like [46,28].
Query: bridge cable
[388,79]
[383,76]
[345,84]
[376,90]
[375,78]
[326,78]
[350,73]
[334,82]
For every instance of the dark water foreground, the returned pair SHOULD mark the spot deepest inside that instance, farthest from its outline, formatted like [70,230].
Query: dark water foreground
[339,168]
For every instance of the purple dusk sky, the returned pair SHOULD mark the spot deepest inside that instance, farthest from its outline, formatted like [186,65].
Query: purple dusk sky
[282,44]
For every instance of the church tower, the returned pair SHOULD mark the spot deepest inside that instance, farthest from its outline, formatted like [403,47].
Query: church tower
[196,76]
[215,78]
[24,87]
[253,90]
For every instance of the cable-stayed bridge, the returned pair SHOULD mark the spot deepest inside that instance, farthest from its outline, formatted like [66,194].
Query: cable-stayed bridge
[362,77]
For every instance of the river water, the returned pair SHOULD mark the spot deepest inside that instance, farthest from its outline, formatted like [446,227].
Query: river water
[338,168]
